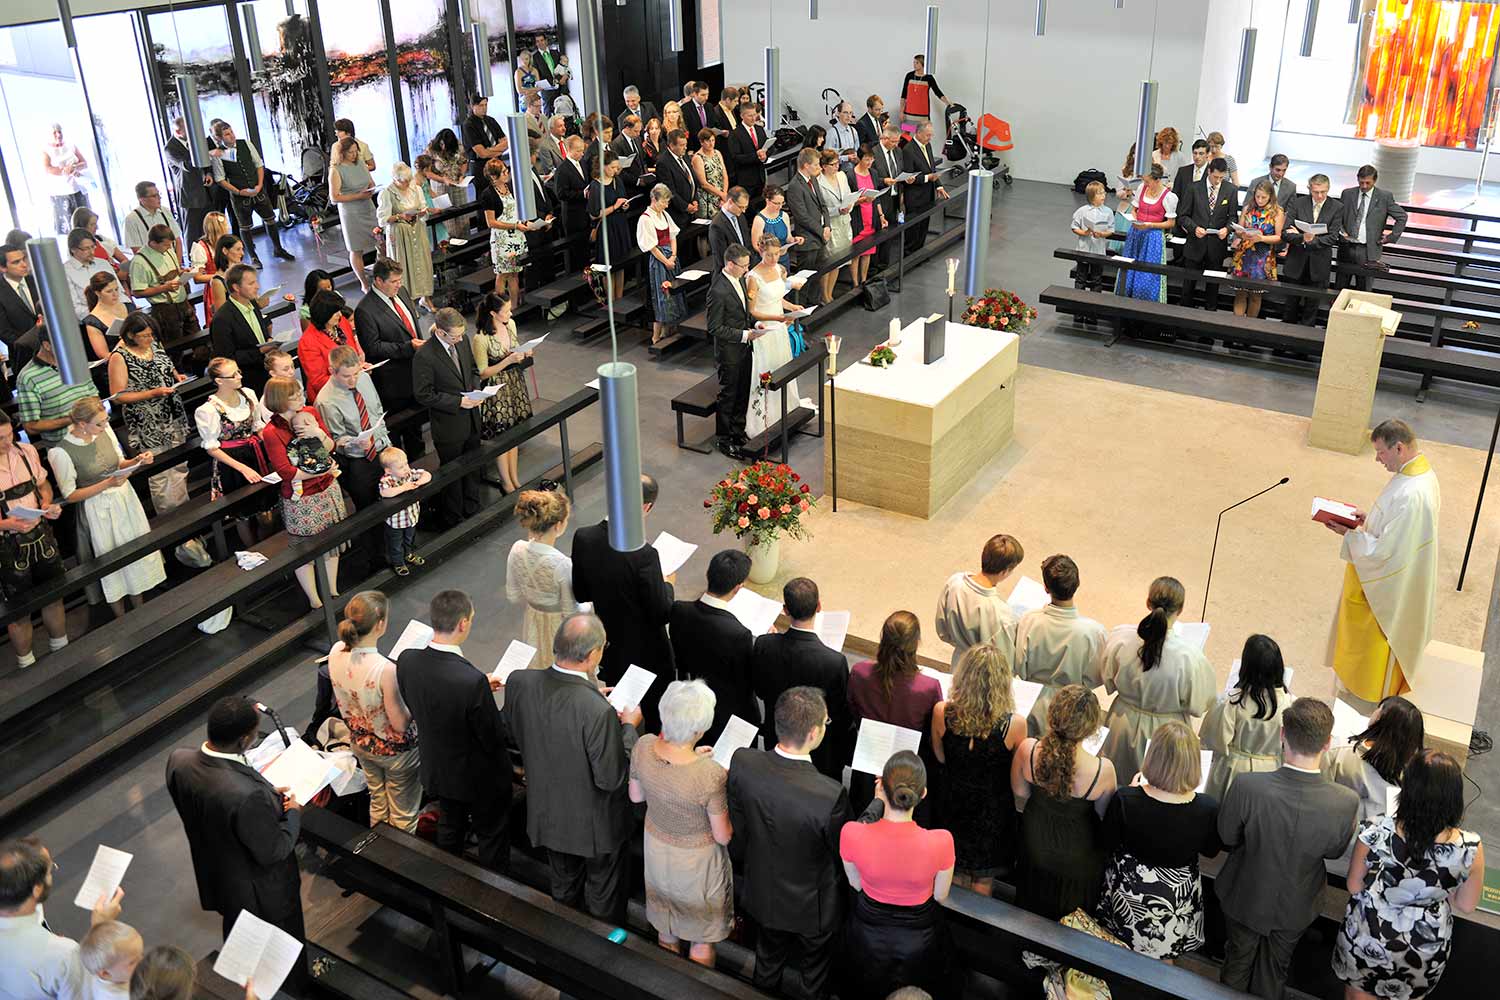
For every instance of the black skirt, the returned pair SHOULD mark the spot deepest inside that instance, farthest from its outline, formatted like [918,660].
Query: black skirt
[889,946]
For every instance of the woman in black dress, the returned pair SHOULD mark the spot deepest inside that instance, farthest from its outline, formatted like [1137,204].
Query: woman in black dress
[607,205]
[1061,792]
[975,733]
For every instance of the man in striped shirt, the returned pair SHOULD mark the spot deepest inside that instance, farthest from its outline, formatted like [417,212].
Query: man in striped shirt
[44,399]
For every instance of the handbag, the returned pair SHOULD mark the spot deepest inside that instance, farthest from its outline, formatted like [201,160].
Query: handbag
[797,334]
[875,295]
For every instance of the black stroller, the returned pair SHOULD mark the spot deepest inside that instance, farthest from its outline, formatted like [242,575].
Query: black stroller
[308,198]
[963,145]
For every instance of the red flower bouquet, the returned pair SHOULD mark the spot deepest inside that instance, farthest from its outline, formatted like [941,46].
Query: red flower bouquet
[760,501]
[998,309]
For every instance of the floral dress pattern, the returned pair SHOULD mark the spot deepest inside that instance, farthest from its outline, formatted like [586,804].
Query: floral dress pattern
[1398,930]
[512,404]
[1155,911]
[1256,261]
[160,422]
[713,172]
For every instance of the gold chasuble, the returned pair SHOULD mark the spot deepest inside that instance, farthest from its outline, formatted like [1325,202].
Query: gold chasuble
[1385,612]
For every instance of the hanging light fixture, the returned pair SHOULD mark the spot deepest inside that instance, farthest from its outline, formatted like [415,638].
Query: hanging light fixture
[65,18]
[291,8]
[588,46]
[1247,61]
[1353,11]
[812,10]
[57,306]
[192,117]
[1145,121]
[929,51]
[253,54]
[465,15]
[518,156]
[1309,26]
[483,85]
[773,88]
[1041,18]
[1119,4]
[674,25]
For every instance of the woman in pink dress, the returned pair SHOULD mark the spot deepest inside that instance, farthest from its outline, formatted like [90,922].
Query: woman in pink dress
[868,215]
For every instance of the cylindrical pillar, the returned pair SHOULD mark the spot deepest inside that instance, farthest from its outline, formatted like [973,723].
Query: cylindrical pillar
[1041,18]
[192,117]
[252,40]
[57,307]
[674,25]
[483,85]
[773,89]
[1145,127]
[589,53]
[812,10]
[65,18]
[619,410]
[1309,28]
[930,50]
[1247,66]
[518,156]
[977,231]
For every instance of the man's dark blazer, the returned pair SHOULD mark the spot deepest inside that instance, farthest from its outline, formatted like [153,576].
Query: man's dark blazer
[722,235]
[571,188]
[16,317]
[623,145]
[648,111]
[1309,260]
[868,129]
[879,171]
[383,337]
[710,644]
[795,658]
[187,180]
[809,215]
[684,188]
[633,600]
[1182,181]
[1279,826]
[749,171]
[787,818]
[577,757]
[1208,251]
[921,194]
[240,839]
[233,338]
[1381,205]
[463,739]
[728,319]
[438,386]
[693,123]
[720,119]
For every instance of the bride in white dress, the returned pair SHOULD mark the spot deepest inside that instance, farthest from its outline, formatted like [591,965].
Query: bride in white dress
[767,282]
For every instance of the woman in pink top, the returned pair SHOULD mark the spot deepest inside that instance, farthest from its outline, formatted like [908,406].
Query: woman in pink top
[899,871]
[892,690]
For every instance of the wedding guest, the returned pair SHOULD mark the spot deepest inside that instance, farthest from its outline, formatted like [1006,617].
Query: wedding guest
[381,733]
[443,374]
[91,470]
[484,139]
[1216,152]
[143,383]
[385,321]
[899,872]
[689,885]
[1153,206]
[891,689]
[1279,827]
[1244,728]
[402,212]
[398,476]
[1055,646]
[494,344]
[798,658]
[239,171]
[109,954]
[833,186]
[711,174]
[81,265]
[108,308]
[1062,791]
[1093,224]
[1366,210]
[709,643]
[729,227]
[240,330]
[975,733]
[29,557]
[1155,832]
[538,573]
[1155,675]
[310,498]
[674,171]
[917,90]
[343,129]
[156,276]
[1409,873]
[202,255]
[353,191]
[1254,252]
[970,610]
[1168,153]
[507,232]
[35,961]
[353,415]
[656,236]
[923,190]
[327,329]
[607,206]
[772,220]
[869,214]
[1372,763]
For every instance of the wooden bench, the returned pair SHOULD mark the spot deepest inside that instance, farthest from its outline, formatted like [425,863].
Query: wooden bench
[330,975]
[701,400]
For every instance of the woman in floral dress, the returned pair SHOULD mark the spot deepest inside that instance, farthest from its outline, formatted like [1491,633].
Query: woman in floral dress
[1254,252]
[1408,874]
[495,357]
[142,383]
[507,232]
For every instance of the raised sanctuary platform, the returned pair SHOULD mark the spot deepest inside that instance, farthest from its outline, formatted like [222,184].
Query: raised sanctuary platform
[1128,481]
[912,435]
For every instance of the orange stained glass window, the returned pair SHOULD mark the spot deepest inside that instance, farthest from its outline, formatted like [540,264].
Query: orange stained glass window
[1427,71]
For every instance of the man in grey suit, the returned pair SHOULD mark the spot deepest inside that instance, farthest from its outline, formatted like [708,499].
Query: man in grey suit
[809,217]
[1285,189]
[1366,208]
[1279,826]
[576,749]
[549,154]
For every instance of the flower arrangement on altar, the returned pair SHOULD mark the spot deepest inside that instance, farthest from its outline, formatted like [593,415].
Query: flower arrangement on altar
[1000,310]
[882,356]
[762,501]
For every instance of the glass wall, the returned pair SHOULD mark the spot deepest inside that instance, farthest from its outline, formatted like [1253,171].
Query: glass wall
[421,33]
[195,42]
[502,75]
[43,124]
[287,103]
[354,39]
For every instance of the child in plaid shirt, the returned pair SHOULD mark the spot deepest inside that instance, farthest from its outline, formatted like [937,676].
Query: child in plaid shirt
[401,527]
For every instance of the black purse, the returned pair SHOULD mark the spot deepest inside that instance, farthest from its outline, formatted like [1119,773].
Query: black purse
[875,295]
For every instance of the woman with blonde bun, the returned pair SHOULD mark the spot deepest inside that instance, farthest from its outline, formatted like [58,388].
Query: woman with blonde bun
[538,573]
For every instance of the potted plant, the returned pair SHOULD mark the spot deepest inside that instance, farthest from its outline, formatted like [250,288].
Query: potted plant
[1000,310]
[760,503]
[882,356]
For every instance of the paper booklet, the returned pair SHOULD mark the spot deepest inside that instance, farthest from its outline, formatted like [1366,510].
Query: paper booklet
[755,612]
[1028,595]
[631,688]
[1347,723]
[301,770]
[1025,694]
[673,552]
[832,627]
[104,877]
[1093,743]
[1310,229]
[944,679]
[902,178]
[365,435]
[416,635]
[480,395]
[769,143]
[1234,678]
[687,276]
[800,313]
[626,161]
[532,344]
[1329,511]
[1240,230]
[274,478]
[878,741]
[259,953]
[737,734]
[518,656]
[1194,632]
[25,513]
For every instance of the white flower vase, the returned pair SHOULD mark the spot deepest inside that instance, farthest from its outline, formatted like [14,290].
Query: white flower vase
[765,560]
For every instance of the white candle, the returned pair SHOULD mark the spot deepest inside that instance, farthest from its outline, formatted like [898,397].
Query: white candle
[952,270]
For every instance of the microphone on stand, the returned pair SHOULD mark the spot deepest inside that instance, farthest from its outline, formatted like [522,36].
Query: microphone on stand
[268,710]
[1280,482]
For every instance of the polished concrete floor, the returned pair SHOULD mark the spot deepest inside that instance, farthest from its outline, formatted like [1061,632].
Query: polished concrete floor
[127,807]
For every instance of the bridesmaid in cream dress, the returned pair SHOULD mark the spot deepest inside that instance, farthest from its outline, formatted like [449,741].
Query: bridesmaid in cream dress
[767,284]
[539,574]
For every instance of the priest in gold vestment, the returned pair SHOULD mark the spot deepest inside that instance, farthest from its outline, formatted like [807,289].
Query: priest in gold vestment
[1385,612]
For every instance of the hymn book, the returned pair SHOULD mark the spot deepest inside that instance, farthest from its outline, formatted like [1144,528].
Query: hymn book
[1194,632]
[832,627]
[737,734]
[672,551]
[631,688]
[755,612]
[517,656]
[1329,511]
[416,635]
[1028,595]
[258,952]
[878,741]
[104,877]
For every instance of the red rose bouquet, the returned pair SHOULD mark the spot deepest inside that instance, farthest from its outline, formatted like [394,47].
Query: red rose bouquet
[998,309]
[760,501]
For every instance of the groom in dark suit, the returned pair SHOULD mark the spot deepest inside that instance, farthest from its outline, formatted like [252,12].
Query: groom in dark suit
[732,332]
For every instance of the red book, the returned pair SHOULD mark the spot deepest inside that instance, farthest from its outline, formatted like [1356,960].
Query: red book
[1334,512]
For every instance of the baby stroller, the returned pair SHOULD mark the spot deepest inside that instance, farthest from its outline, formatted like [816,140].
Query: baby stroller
[963,145]
[308,198]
